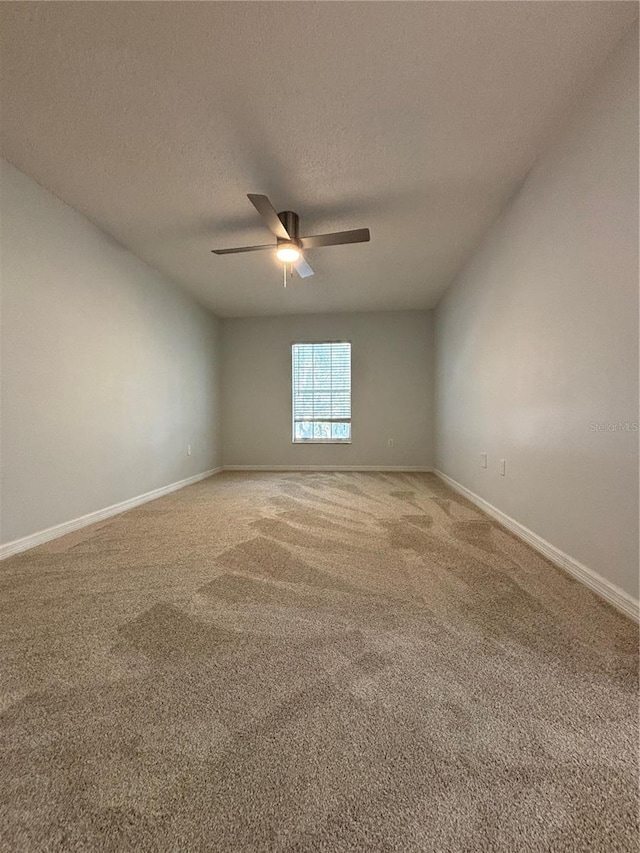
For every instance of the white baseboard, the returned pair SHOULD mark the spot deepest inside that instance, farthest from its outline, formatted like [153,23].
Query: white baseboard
[278,468]
[611,593]
[19,545]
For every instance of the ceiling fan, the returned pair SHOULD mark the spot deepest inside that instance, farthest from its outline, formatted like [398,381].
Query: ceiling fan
[284,227]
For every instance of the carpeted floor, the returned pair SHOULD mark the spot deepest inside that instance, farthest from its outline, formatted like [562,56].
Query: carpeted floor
[311,662]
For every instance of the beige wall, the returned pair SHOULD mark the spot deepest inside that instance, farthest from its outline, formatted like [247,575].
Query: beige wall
[537,341]
[108,370]
[392,389]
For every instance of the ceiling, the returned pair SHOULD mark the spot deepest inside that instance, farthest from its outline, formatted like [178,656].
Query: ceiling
[417,120]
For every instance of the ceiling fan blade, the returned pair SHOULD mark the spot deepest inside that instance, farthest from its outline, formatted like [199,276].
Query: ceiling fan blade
[302,268]
[360,235]
[268,212]
[243,249]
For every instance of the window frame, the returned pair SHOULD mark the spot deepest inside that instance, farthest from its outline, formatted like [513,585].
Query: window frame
[349,420]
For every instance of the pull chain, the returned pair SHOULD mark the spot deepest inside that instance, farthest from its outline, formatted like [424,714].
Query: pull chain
[284,270]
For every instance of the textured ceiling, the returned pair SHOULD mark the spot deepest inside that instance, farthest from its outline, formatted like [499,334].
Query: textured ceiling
[417,120]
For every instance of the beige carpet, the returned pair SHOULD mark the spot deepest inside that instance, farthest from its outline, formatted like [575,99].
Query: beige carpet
[311,662]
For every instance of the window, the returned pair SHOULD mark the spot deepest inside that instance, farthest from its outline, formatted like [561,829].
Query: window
[321,379]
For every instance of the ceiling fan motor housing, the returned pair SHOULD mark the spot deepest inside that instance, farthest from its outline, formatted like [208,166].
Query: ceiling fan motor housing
[291,222]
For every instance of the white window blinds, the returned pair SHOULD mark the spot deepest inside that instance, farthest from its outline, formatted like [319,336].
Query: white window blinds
[321,378]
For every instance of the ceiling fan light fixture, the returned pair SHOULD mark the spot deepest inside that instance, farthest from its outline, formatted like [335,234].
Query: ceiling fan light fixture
[290,246]
[289,253]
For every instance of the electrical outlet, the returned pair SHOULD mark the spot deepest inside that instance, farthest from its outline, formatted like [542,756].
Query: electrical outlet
[503,467]
[390,442]
[188,450]
[483,460]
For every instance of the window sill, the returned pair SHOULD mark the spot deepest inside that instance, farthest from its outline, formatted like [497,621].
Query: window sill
[321,441]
